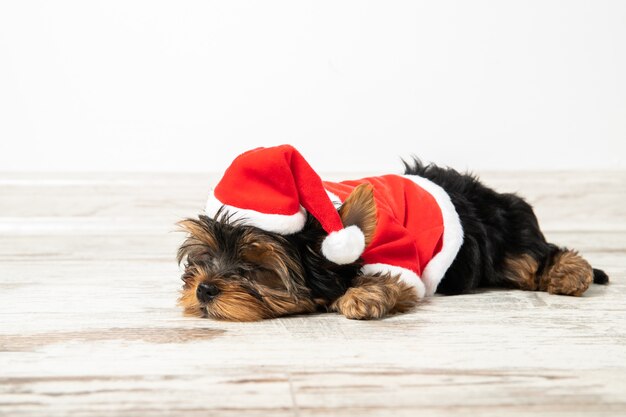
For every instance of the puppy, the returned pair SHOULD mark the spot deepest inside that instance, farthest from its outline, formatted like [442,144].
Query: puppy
[276,240]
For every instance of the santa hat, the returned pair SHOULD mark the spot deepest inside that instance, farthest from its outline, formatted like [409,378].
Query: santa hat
[273,188]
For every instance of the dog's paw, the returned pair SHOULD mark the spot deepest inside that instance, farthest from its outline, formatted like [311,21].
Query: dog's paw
[574,285]
[570,275]
[358,304]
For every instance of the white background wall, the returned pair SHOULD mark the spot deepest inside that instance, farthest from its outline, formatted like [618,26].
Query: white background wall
[184,85]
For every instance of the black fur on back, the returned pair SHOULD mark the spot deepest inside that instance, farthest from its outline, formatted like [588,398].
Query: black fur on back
[494,224]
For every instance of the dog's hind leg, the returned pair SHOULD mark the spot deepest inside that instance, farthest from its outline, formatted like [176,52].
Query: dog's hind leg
[563,271]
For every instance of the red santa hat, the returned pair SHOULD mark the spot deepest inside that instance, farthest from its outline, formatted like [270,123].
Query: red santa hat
[273,188]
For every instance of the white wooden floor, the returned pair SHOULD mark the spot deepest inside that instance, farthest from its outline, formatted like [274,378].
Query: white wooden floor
[89,325]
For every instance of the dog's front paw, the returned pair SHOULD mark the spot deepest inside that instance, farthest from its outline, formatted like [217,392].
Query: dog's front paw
[358,304]
[374,297]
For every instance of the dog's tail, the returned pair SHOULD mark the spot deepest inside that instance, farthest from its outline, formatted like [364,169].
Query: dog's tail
[600,277]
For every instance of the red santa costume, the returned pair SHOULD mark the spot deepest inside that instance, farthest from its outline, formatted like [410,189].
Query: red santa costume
[418,232]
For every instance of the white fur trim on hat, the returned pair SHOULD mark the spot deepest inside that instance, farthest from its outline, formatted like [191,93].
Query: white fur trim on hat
[452,234]
[284,224]
[406,275]
[344,246]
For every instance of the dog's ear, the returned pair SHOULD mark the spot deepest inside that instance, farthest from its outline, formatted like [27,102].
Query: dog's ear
[200,239]
[360,209]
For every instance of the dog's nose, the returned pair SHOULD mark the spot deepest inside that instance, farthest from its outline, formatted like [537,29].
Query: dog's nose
[206,292]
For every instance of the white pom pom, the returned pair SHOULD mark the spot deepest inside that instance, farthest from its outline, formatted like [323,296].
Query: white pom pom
[344,246]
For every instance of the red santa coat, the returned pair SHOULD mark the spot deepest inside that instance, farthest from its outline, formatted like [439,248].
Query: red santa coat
[418,232]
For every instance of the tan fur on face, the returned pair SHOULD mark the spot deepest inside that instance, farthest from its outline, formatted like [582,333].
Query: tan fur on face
[188,300]
[235,303]
[272,257]
[569,274]
[360,209]
[257,274]
[280,304]
[374,296]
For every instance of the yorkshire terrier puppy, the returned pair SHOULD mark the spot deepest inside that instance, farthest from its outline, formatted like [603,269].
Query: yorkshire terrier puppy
[242,270]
